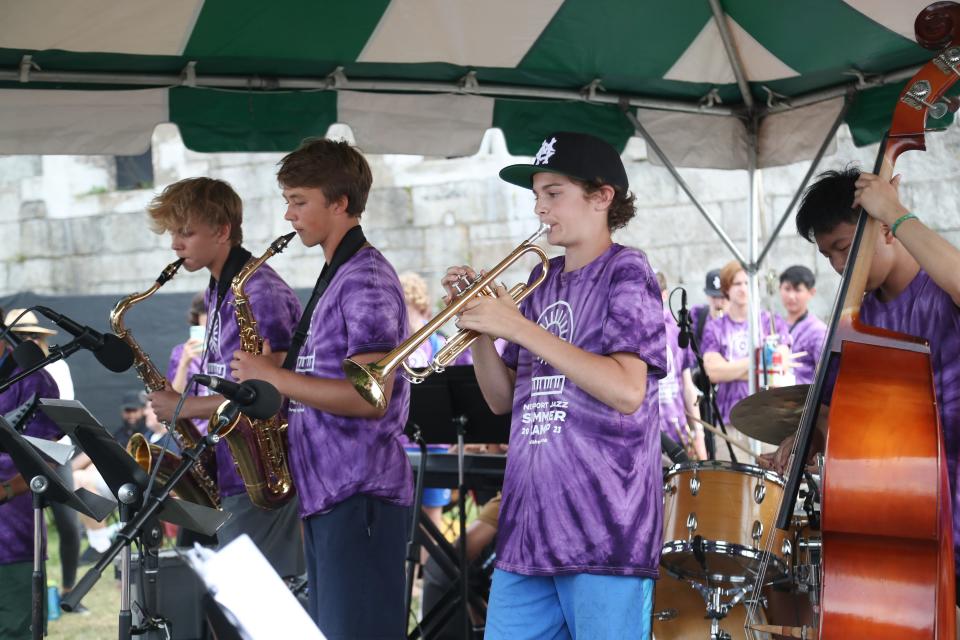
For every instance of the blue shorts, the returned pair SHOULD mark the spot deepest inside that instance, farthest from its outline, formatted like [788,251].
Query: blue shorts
[582,605]
[433,496]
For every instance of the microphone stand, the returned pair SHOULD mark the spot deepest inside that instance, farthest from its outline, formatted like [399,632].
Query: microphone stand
[713,415]
[135,527]
[56,353]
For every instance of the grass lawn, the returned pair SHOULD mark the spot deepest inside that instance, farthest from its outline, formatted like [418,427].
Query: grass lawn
[103,600]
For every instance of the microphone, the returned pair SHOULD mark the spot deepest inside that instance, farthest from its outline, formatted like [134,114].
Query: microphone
[112,352]
[672,449]
[683,340]
[257,399]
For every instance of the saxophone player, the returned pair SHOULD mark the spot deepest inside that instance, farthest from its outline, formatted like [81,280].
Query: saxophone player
[204,219]
[352,475]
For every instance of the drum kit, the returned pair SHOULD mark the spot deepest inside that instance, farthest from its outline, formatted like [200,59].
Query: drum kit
[718,533]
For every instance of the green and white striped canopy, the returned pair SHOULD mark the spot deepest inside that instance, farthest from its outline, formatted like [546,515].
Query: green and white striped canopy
[430,76]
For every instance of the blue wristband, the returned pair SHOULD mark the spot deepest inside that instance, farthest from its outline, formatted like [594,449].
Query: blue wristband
[901,220]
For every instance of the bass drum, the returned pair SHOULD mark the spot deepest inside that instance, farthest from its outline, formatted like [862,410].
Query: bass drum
[679,613]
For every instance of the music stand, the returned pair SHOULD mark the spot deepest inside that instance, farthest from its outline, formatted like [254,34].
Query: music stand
[47,487]
[453,398]
[128,482]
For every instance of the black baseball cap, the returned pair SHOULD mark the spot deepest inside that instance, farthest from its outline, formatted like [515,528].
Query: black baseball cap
[575,155]
[712,286]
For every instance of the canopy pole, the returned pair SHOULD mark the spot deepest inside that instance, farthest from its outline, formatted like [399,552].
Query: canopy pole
[720,17]
[806,179]
[653,146]
[750,266]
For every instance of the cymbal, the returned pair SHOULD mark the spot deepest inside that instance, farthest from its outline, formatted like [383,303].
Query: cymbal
[771,415]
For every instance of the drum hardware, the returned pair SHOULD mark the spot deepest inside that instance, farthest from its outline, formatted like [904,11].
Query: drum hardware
[717,608]
[694,483]
[692,526]
[757,532]
[666,614]
[759,492]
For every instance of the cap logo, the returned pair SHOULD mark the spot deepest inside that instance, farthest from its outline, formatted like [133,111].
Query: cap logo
[546,152]
[716,282]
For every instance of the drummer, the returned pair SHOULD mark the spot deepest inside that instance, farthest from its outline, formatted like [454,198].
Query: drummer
[726,346]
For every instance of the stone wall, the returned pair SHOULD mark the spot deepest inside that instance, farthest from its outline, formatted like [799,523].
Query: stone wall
[65,230]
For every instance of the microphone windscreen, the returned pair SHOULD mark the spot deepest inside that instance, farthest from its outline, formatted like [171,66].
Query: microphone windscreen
[683,340]
[267,403]
[27,354]
[115,354]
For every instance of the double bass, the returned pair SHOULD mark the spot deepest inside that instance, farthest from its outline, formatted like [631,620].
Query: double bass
[887,544]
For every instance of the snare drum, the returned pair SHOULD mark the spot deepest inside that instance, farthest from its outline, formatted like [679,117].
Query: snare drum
[731,507]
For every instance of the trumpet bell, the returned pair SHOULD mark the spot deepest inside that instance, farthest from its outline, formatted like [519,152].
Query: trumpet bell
[367,380]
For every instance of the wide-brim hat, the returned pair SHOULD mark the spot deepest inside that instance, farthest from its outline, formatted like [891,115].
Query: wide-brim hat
[27,323]
[575,155]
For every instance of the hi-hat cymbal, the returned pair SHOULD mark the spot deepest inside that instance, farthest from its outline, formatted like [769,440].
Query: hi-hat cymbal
[771,415]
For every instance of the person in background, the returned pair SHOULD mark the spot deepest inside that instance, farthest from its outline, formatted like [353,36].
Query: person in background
[715,307]
[677,395]
[726,345]
[418,314]
[66,519]
[797,287]
[185,358]
[16,509]
[131,417]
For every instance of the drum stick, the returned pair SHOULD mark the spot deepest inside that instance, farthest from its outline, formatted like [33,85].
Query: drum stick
[718,432]
[804,632]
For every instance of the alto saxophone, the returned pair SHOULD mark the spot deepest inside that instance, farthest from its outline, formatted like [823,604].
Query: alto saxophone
[199,486]
[259,447]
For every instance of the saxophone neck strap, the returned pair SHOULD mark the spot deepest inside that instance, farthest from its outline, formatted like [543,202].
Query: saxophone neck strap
[351,242]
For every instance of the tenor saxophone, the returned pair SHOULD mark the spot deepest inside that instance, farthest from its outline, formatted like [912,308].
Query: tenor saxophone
[259,447]
[199,485]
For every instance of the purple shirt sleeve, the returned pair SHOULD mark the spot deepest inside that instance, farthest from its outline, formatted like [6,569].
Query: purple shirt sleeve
[634,317]
[372,332]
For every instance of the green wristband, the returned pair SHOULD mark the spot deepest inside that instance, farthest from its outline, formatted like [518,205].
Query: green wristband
[901,220]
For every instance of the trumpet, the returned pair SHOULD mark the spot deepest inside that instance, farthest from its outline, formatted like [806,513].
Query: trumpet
[369,379]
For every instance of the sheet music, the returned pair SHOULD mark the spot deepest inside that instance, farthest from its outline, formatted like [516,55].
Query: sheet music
[246,586]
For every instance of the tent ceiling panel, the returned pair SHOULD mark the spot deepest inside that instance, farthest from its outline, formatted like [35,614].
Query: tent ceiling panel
[501,33]
[796,134]
[259,74]
[145,28]
[691,140]
[430,125]
[74,122]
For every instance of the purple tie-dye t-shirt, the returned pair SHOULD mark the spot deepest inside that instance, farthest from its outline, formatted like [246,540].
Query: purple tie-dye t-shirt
[808,333]
[582,491]
[923,309]
[335,457]
[730,339]
[16,516]
[276,310]
[673,414]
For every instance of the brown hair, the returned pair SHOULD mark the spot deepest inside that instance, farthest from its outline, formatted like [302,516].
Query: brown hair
[198,307]
[622,207]
[332,166]
[728,273]
[205,200]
